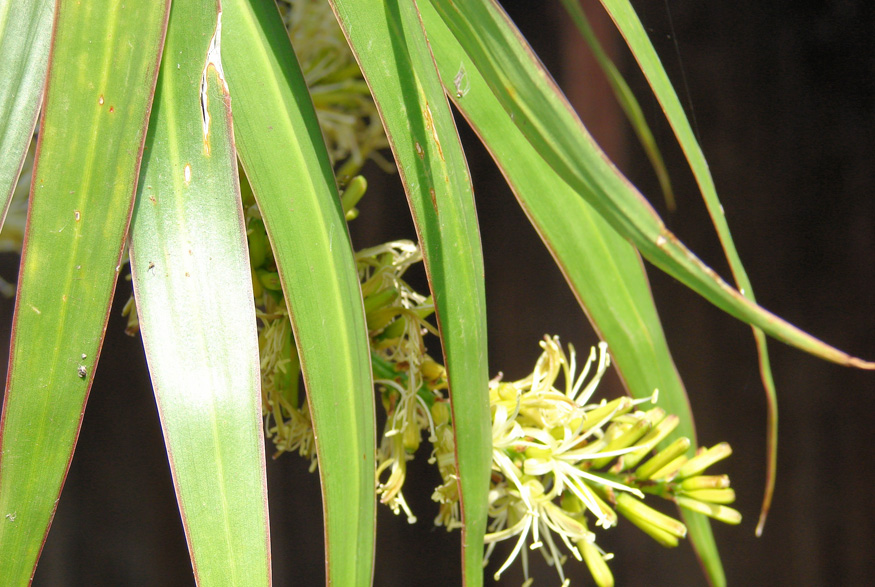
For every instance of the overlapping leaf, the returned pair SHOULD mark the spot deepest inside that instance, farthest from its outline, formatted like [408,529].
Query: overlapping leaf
[390,46]
[282,151]
[194,298]
[526,91]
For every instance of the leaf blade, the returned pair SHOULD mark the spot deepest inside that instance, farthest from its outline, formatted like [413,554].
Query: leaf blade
[537,107]
[81,197]
[279,148]
[390,46]
[190,269]
[636,38]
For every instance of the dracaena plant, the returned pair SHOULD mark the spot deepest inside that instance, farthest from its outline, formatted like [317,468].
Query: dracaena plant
[221,159]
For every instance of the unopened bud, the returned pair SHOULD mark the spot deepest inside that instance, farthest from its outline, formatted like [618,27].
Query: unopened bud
[665,427]
[596,563]
[704,459]
[705,482]
[718,512]
[664,529]
[713,495]
[663,457]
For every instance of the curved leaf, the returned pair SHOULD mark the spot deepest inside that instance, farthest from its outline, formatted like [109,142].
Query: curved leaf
[630,27]
[603,269]
[284,156]
[539,110]
[625,98]
[390,46]
[190,267]
[101,80]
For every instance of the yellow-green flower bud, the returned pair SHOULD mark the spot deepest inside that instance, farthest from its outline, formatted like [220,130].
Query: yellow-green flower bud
[570,503]
[432,370]
[596,563]
[394,329]
[381,299]
[669,471]
[130,310]
[440,413]
[712,495]
[624,440]
[259,246]
[662,458]
[257,289]
[718,512]
[665,427]
[269,279]
[705,482]
[354,191]
[611,409]
[412,437]
[704,459]
[507,392]
[380,318]
[664,529]
[655,415]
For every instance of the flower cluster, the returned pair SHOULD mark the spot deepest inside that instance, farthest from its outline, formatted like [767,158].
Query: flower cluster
[562,463]
[409,380]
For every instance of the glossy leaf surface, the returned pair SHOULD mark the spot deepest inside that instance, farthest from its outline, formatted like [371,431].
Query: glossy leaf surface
[194,299]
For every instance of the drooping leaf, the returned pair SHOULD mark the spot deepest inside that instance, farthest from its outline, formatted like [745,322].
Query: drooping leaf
[194,299]
[625,98]
[101,80]
[630,27]
[527,92]
[389,44]
[283,153]
[602,268]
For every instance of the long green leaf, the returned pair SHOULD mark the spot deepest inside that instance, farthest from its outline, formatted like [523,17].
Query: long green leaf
[602,268]
[25,35]
[625,98]
[101,80]
[539,110]
[630,27]
[194,299]
[284,156]
[390,46]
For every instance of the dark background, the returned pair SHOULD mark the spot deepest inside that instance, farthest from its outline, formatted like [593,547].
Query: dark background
[783,103]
